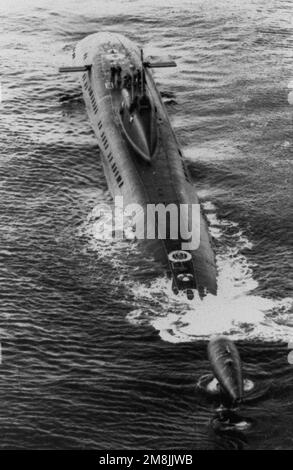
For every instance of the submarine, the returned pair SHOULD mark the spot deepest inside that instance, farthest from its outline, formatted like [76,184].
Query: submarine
[141,156]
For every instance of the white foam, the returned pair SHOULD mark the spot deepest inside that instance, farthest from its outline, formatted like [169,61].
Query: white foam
[98,228]
[219,150]
[235,311]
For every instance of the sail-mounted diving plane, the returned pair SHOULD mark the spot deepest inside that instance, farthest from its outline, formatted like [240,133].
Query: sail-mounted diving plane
[141,156]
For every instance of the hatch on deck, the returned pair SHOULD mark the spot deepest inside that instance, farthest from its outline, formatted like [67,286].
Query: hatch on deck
[137,112]
[138,120]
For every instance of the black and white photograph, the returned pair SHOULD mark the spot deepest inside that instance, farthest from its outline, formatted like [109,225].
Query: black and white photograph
[146,225]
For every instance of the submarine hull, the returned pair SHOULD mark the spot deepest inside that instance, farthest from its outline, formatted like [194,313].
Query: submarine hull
[142,158]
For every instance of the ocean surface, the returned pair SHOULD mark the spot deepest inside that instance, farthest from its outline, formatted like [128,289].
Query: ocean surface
[97,353]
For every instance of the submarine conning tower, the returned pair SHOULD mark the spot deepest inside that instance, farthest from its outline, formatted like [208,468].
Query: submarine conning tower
[138,117]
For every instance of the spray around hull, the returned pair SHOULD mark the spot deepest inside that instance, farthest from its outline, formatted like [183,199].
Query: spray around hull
[226,364]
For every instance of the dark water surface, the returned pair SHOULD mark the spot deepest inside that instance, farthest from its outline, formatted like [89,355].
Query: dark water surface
[96,351]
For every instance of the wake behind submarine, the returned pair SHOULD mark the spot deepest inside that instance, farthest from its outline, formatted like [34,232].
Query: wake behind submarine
[141,156]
